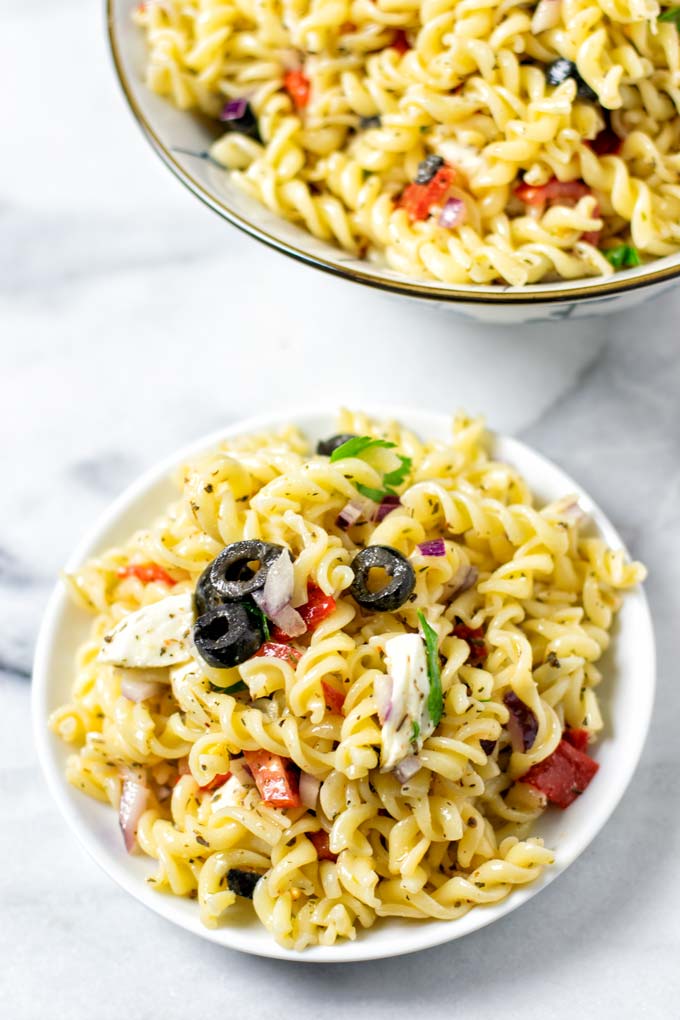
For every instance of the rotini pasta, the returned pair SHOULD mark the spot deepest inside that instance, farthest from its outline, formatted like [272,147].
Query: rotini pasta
[467,142]
[343,684]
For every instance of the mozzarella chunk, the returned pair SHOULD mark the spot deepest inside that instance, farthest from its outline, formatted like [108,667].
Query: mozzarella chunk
[153,636]
[238,791]
[408,724]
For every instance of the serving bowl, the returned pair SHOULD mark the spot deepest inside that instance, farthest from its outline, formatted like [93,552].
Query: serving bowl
[181,139]
[626,694]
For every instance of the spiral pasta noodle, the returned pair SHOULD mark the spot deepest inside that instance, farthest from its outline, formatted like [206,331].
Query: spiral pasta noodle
[558,124]
[519,603]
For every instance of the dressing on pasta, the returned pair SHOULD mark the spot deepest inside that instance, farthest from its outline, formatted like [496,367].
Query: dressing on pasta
[557,125]
[343,684]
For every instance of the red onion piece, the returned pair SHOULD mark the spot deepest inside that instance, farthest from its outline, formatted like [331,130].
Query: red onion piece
[290,621]
[240,771]
[436,547]
[309,790]
[163,793]
[522,723]
[573,513]
[546,15]
[133,798]
[382,688]
[234,109]
[275,598]
[406,768]
[387,505]
[137,689]
[452,214]
[466,576]
[354,511]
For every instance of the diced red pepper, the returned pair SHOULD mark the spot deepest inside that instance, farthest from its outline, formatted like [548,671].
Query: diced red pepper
[334,698]
[274,778]
[322,846]
[475,638]
[317,607]
[298,87]
[217,781]
[606,143]
[418,199]
[146,572]
[276,650]
[553,191]
[577,738]
[400,43]
[562,776]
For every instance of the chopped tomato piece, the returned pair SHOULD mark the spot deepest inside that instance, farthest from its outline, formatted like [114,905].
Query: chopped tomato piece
[274,650]
[475,638]
[577,738]
[322,846]
[146,572]
[274,778]
[418,199]
[562,776]
[297,86]
[553,191]
[334,698]
[317,607]
[217,781]
[400,43]
[606,143]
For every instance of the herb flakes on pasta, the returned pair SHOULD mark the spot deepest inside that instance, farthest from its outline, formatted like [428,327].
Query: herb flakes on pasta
[343,717]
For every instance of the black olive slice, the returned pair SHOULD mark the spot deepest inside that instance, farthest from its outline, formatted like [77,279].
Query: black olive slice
[400,585]
[427,168]
[243,882]
[326,447]
[561,69]
[229,578]
[227,635]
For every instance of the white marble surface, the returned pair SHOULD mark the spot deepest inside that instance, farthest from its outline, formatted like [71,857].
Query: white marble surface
[133,319]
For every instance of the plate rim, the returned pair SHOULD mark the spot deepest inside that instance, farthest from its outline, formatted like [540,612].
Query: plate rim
[426,934]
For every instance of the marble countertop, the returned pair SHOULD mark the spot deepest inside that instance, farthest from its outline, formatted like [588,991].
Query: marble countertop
[132,319]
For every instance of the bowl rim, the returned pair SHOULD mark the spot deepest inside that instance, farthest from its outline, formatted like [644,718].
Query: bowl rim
[620,283]
[421,936]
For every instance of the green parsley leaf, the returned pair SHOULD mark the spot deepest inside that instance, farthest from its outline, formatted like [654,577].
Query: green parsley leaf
[357,445]
[257,614]
[671,14]
[233,689]
[435,700]
[396,477]
[415,731]
[624,256]
[375,494]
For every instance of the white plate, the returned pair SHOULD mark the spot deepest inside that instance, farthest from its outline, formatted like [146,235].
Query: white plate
[627,694]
